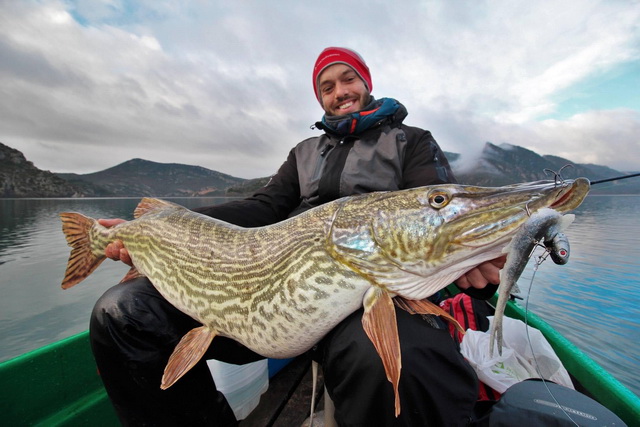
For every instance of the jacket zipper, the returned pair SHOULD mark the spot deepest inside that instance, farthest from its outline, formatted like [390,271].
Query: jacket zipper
[321,160]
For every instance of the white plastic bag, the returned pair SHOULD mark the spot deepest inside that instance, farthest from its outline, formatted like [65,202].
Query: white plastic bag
[241,385]
[517,361]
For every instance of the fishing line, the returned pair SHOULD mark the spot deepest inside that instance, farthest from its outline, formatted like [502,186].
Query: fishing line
[538,262]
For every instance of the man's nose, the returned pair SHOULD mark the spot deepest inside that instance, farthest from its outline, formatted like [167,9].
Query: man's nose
[341,90]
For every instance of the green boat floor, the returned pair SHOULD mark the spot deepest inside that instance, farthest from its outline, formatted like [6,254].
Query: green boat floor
[57,385]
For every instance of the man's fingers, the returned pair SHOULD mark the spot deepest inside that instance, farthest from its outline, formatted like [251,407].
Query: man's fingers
[125,257]
[114,249]
[463,283]
[482,275]
[499,262]
[110,222]
[476,277]
[489,271]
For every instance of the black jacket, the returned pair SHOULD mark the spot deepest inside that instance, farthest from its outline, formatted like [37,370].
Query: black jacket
[388,156]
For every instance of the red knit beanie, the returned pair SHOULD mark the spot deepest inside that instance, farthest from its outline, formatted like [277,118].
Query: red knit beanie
[340,55]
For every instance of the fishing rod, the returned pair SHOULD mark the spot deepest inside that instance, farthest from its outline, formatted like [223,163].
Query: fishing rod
[600,181]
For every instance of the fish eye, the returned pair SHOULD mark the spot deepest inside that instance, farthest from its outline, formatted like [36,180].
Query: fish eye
[439,199]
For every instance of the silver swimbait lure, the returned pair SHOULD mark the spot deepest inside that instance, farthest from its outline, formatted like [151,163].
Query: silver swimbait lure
[558,248]
[545,225]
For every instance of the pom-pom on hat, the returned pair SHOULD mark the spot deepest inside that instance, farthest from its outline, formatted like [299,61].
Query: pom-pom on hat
[340,55]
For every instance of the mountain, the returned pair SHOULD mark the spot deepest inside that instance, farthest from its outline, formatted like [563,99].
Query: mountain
[496,165]
[139,177]
[247,187]
[506,164]
[20,178]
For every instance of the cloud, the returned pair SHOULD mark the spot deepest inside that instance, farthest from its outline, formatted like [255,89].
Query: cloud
[506,62]
[226,85]
[607,137]
[599,137]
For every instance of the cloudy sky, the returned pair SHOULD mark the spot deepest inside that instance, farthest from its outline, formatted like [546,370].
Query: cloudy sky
[85,85]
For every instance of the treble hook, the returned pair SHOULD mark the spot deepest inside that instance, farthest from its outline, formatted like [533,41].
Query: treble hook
[557,176]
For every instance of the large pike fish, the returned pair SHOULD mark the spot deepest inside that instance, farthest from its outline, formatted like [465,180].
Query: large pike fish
[279,289]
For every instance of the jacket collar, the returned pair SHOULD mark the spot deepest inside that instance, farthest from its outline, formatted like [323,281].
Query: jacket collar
[377,112]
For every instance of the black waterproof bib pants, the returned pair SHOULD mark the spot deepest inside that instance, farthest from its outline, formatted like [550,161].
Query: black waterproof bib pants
[134,330]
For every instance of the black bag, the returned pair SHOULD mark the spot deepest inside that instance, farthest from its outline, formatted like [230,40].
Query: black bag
[535,402]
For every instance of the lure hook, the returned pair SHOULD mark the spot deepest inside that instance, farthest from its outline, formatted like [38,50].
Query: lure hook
[557,176]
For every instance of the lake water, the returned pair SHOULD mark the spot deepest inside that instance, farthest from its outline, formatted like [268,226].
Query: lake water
[594,300]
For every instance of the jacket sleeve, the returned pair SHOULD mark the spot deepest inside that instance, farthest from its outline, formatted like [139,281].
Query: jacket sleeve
[424,161]
[272,203]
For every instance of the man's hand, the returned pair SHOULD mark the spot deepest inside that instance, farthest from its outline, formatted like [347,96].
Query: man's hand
[485,273]
[116,250]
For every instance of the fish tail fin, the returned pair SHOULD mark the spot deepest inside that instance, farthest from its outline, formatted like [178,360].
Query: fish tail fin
[566,221]
[82,261]
[495,336]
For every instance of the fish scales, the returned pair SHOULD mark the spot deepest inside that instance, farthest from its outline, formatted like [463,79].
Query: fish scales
[222,284]
[279,289]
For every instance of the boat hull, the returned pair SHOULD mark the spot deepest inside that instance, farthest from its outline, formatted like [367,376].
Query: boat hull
[59,385]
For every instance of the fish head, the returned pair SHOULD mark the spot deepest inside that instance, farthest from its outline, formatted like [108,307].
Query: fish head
[478,217]
[400,240]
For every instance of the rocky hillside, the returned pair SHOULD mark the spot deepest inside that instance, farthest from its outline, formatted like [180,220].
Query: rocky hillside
[496,166]
[508,164]
[20,178]
[139,177]
[247,187]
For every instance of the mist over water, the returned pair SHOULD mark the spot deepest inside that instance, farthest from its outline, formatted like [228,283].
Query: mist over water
[593,300]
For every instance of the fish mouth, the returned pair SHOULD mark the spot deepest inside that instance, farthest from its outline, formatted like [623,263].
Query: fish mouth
[571,195]
[500,219]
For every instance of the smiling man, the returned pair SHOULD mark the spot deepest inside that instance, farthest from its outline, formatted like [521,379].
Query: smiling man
[342,91]
[365,147]
[339,81]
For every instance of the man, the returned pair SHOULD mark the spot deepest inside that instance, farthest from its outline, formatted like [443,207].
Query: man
[365,147]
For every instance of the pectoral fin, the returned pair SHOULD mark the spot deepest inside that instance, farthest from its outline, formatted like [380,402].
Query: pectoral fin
[426,307]
[187,353]
[379,322]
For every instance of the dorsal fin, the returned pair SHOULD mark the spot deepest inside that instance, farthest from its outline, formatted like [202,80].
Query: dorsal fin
[149,204]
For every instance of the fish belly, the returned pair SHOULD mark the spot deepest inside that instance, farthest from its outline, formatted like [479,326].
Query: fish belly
[279,303]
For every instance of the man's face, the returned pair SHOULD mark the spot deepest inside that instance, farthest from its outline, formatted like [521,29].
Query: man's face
[342,91]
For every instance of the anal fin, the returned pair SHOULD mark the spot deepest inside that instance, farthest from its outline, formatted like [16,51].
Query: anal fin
[187,353]
[133,273]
